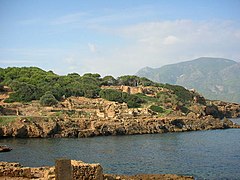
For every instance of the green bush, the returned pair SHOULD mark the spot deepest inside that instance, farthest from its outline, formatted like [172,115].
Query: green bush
[183,94]
[1,88]
[109,81]
[24,92]
[157,109]
[111,95]
[134,81]
[48,99]
[132,101]
[90,90]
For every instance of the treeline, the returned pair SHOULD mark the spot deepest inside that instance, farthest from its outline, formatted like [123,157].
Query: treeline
[32,83]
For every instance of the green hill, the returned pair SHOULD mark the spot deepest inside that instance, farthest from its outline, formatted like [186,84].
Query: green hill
[31,83]
[215,78]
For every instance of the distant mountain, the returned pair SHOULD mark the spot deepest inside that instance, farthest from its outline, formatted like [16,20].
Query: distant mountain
[215,78]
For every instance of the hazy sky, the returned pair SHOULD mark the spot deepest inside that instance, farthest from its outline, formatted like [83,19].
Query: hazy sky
[116,37]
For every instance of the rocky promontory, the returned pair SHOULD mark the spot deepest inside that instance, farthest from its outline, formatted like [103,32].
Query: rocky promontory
[37,103]
[84,117]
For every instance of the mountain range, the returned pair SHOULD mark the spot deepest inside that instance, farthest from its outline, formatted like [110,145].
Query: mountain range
[215,78]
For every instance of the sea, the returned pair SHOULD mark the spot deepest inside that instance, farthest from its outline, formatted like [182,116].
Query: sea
[212,154]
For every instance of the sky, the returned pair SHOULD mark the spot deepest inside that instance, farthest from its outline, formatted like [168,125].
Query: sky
[116,37]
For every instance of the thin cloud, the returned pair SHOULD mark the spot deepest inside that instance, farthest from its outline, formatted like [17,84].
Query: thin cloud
[105,17]
[163,42]
[158,43]
[69,18]
[92,47]
[170,40]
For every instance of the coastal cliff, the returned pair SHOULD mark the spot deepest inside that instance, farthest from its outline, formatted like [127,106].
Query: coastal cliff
[23,128]
[84,117]
[36,103]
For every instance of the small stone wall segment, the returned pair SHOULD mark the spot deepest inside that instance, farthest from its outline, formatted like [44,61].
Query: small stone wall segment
[86,171]
[16,170]
[63,169]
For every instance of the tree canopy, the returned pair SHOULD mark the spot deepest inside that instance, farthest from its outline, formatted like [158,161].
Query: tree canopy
[32,83]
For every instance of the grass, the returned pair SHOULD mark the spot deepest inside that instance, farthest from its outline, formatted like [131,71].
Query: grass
[4,120]
[147,98]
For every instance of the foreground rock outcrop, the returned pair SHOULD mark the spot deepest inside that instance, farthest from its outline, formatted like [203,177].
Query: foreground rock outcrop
[80,170]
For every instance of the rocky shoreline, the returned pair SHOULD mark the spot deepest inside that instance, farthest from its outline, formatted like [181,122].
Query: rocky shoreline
[154,108]
[55,128]
[79,170]
[79,117]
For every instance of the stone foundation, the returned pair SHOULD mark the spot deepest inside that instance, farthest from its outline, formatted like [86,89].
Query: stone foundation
[17,170]
[79,171]
[86,171]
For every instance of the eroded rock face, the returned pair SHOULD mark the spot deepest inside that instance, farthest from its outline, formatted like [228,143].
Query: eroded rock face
[82,117]
[229,110]
[62,128]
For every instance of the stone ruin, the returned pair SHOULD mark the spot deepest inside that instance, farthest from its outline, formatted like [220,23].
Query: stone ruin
[64,169]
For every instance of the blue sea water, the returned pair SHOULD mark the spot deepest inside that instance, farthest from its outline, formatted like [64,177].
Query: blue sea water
[213,154]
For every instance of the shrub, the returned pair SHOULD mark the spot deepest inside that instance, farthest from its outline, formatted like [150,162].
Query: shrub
[48,99]
[1,88]
[24,92]
[156,109]
[132,101]
[90,90]
[111,95]
[183,94]
[109,81]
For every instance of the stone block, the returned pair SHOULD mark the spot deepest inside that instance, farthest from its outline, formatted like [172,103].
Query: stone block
[63,169]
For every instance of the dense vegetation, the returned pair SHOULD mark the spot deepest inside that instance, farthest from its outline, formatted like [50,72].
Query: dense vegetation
[118,96]
[32,83]
[48,99]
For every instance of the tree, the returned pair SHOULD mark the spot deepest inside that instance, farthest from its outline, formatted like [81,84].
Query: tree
[24,92]
[132,101]
[95,76]
[146,82]
[48,99]
[128,80]
[109,81]
[90,90]
[111,95]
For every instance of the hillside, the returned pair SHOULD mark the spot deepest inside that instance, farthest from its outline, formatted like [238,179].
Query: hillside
[36,103]
[88,117]
[215,78]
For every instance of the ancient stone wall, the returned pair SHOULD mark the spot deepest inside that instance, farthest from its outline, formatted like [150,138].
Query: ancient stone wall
[16,170]
[80,170]
[83,170]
